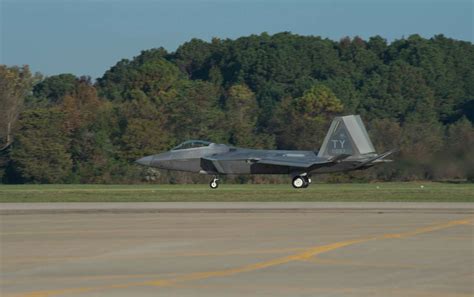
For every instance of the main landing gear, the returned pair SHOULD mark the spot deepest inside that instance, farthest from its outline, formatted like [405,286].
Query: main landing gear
[301,181]
[214,184]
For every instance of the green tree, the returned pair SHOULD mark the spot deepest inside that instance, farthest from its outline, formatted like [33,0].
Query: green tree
[149,73]
[192,58]
[53,89]
[386,134]
[15,84]
[457,159]
[95,155]
[420,142]
[40,153]
[195,113]
[144,129]
[241,118]
[302,123]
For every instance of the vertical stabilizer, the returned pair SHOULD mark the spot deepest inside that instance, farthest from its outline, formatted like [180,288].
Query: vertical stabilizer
[347,135]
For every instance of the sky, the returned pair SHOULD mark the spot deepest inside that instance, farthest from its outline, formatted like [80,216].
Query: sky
[87,37]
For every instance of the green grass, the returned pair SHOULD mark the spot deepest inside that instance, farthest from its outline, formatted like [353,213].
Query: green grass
[431,192]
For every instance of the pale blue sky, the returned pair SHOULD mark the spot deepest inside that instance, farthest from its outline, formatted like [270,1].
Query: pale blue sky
[86,37]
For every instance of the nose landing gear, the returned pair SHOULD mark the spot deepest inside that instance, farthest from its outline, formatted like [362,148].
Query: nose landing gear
[214,184]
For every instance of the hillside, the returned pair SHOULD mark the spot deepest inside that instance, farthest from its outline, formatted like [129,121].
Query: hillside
[264,91]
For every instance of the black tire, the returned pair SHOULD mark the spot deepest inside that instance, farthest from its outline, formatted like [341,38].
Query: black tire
[214,184]
[298,182]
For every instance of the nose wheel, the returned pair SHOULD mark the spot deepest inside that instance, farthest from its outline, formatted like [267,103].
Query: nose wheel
[214,184]
[301,181]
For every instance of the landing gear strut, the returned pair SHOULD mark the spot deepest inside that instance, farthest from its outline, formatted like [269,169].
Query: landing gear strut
[214,183]
[301,181]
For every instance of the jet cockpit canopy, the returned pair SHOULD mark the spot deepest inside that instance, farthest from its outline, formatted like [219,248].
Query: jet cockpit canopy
[191,144]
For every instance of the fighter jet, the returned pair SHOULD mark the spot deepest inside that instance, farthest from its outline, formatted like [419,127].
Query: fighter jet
[346,147]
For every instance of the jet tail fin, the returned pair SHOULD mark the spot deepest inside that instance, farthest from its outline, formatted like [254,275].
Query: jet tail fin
[346,136]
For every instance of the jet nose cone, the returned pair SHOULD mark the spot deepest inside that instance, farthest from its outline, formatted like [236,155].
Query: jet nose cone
[146,161]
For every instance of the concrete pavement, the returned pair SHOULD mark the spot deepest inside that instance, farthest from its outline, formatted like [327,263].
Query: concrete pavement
[219,207]
[339,249]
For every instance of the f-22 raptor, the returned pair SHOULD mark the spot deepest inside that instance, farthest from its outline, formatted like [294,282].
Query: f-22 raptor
[346,147]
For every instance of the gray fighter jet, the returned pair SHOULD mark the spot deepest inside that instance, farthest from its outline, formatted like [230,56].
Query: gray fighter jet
[346,147]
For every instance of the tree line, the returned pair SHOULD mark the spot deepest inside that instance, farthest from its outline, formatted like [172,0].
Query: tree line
[263,91]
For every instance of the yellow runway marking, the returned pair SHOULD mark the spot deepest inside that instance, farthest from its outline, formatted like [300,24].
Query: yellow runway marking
[305,255]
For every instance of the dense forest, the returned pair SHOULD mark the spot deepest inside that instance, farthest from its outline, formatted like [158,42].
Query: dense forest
[263,91]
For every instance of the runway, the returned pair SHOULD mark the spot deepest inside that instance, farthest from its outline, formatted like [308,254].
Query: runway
[379,249]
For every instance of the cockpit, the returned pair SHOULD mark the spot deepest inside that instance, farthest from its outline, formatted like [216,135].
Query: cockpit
[191,144]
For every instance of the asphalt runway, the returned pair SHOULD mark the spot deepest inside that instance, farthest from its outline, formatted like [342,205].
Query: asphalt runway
[188,249]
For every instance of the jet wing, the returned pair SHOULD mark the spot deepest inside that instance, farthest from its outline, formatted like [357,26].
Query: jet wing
[306,164]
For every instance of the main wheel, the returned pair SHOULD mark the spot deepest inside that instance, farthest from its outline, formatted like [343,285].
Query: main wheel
[214,184]
[298,182]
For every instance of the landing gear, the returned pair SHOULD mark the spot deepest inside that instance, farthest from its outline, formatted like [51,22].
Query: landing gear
[307,181]
[214,184]
[301,181]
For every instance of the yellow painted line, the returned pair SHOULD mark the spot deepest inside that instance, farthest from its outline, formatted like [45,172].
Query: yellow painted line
[307,254]
[427,229]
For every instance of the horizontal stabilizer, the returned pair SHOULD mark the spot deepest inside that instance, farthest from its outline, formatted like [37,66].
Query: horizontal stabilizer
[379,158]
